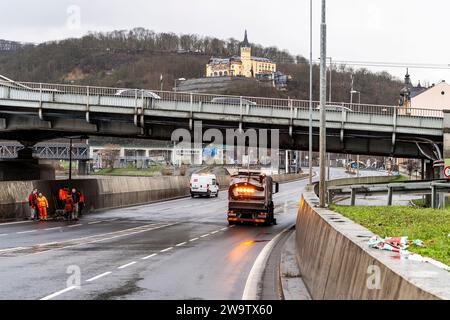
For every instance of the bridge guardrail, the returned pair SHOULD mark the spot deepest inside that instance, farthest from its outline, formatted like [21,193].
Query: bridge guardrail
[244,104]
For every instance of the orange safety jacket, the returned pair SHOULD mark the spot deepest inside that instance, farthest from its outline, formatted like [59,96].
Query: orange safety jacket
[42,202]
[69,204]
[63,194]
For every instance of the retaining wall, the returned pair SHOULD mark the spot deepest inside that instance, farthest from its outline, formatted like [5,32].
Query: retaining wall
[103,193]
[336,263]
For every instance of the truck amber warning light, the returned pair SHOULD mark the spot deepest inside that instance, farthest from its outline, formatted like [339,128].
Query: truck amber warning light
[245,190]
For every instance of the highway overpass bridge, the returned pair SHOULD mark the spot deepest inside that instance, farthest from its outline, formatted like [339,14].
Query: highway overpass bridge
[34,112]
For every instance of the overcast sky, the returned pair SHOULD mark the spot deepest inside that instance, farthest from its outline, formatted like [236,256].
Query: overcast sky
[406,31]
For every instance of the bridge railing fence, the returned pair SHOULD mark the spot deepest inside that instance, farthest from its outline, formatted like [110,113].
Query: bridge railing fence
[111,96]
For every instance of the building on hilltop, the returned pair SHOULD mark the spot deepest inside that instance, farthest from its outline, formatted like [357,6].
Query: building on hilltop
[436,97]
[244,65]
[409,91]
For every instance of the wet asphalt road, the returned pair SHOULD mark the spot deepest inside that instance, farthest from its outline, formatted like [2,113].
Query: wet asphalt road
[180,249]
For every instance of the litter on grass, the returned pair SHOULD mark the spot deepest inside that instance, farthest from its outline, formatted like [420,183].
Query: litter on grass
[400,245]
[395,244]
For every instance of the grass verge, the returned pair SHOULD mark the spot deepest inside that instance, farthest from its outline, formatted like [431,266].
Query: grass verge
[429,225]
[152,171]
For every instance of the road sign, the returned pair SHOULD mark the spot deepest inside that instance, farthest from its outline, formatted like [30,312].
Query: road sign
[447,171]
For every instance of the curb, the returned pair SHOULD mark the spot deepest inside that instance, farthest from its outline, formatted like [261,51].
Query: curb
[252,290]
[292,285]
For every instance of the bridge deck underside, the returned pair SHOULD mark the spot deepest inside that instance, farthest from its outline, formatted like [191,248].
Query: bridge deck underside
[30,116]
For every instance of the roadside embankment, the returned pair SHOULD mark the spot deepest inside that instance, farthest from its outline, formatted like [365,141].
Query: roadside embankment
[104,193]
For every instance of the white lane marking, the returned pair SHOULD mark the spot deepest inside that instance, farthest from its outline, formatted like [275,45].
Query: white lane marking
[127,265]
[53,295]
[223,229]
[104,239]
[12,249]
[75,225]
[167,249]
[99,276]
[180,244]
[214,232]
[150,256]
[232,226]
[10,223]
[53,228]
[47,244]
[195,239]
[95,222]
[205,235]
[30,231]
[3,234]
[251,290]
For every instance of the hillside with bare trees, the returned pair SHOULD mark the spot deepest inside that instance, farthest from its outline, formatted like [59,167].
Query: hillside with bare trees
[138,58]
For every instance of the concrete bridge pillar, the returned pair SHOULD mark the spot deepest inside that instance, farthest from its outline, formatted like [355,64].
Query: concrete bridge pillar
[446,133]
[25,168]
[83,169]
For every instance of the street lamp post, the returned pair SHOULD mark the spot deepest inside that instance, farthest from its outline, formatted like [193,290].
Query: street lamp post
[323,98]
[310,88]
[331,71]
[83,137]
[70,159]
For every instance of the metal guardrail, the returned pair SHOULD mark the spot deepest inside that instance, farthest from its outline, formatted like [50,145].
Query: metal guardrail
[407,187]
[91,94]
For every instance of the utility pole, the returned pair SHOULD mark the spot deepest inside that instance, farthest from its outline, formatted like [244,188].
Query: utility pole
[351,93]
[323,98]
[310,155]
[331,71]
[329,101]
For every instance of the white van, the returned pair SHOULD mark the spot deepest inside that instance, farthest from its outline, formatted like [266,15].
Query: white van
[204,185]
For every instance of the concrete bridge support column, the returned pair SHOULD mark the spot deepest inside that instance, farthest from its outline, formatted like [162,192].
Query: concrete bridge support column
[446,147]
[25,168]
[83,168]
[429,172]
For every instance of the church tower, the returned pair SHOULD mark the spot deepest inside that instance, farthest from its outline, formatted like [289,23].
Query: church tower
[246,57]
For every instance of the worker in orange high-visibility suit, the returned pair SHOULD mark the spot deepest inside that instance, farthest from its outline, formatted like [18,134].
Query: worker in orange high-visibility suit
[42,204]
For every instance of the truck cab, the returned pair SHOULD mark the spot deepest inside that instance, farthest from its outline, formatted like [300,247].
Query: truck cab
[250,198]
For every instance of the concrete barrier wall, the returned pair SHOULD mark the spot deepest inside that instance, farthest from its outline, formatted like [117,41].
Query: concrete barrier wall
[336,263]
[103,193]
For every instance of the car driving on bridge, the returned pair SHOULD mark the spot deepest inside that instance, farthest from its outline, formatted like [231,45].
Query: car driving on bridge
[137,93]
[233,101]
[335,107]
[250,198]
